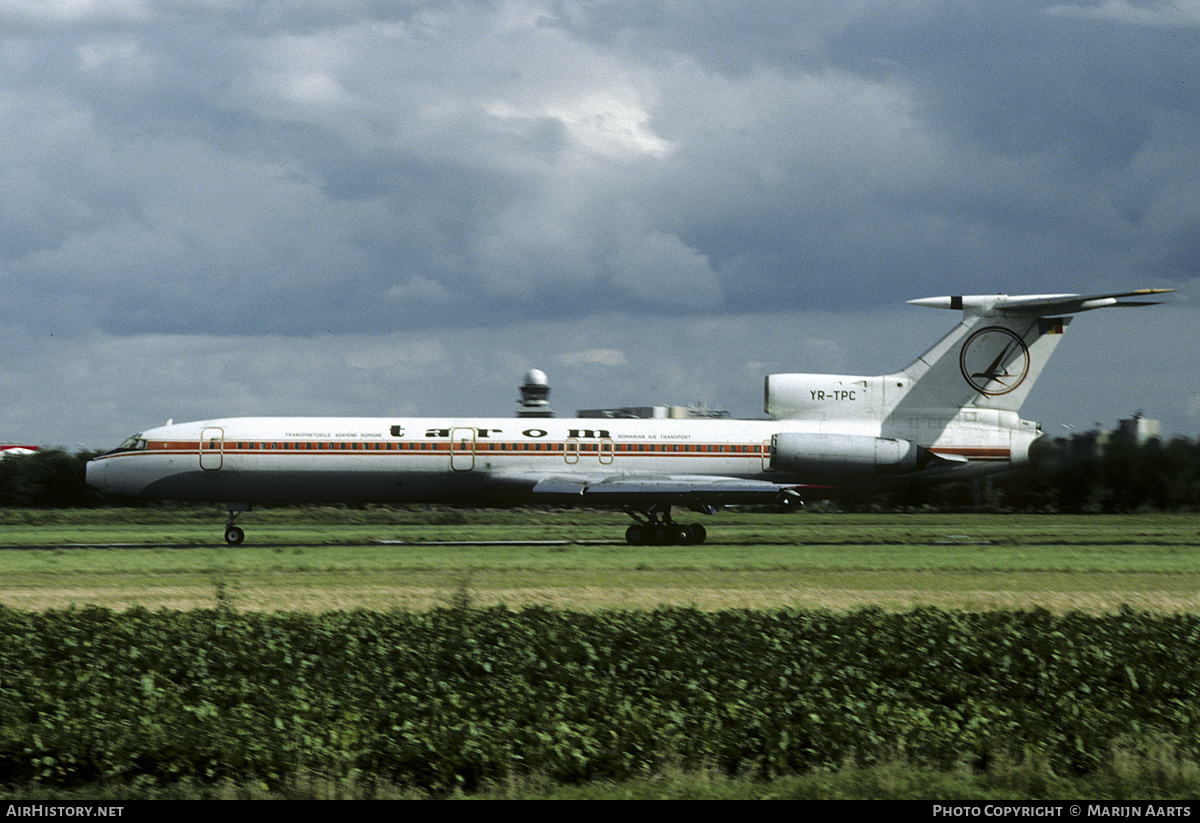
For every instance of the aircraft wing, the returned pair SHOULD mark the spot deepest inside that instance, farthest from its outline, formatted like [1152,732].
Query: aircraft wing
[695,491]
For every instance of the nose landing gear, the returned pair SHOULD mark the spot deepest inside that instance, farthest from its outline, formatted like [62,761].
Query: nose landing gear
[234,535]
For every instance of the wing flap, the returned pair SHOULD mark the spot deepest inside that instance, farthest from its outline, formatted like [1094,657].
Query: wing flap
[669,489]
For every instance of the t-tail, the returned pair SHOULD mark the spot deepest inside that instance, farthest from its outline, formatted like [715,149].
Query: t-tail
[955,405]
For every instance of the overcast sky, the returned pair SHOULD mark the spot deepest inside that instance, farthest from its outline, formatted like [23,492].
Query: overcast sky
[371,207]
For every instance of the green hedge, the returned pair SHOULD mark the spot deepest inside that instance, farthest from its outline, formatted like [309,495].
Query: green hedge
[449,698]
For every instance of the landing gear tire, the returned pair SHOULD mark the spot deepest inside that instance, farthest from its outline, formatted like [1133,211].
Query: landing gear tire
[682,535]
[234,536]
[665,534]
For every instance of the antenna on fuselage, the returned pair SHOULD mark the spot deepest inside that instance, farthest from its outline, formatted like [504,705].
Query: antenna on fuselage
[535,395]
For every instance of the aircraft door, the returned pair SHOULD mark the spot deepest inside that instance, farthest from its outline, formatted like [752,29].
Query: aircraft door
[212,448]
[606,450]
[462,449]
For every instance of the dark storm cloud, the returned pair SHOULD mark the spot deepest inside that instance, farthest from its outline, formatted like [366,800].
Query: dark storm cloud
[334,172]
[290,167]
[1029,77]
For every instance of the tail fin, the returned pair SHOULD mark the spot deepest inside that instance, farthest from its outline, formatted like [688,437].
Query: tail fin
[994,355]
[990,360]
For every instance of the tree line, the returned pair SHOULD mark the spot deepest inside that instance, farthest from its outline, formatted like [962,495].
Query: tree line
[1083,474]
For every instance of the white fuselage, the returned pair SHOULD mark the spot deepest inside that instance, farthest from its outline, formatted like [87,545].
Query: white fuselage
[498,461]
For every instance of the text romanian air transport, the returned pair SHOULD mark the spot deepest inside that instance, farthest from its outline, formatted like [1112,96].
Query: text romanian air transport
[951,414]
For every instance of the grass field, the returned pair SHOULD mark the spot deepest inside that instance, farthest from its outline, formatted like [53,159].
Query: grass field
[327,559]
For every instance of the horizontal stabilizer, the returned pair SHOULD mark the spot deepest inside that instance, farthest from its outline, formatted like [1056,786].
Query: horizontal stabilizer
[1041,305]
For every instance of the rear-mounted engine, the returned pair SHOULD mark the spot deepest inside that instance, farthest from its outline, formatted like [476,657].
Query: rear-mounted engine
[844,455]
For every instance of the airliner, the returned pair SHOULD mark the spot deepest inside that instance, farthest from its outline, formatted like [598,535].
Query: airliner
[950,415]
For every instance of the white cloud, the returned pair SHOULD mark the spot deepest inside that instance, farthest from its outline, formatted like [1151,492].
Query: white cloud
[660,268]
[76,11]
[610,123]
[595,357]
[1162,13]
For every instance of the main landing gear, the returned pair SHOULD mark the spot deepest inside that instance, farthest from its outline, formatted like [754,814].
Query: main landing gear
[661,530]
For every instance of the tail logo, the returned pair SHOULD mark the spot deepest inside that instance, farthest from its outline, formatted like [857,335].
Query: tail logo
[994,361]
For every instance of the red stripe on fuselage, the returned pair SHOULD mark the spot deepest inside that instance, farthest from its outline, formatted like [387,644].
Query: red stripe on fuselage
[327,447]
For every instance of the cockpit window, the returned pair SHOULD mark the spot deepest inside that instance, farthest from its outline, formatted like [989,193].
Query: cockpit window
[135,443]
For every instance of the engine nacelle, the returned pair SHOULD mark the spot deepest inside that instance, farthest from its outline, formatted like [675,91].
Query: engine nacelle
[844,455]
[821,396]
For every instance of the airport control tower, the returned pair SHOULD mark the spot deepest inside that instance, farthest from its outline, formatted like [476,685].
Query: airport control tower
[535,395]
